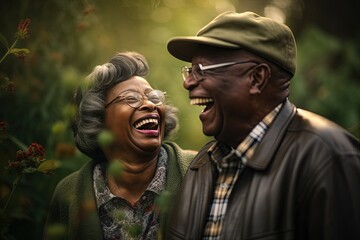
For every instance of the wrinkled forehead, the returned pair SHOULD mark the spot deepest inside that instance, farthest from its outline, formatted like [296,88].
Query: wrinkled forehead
[135,83]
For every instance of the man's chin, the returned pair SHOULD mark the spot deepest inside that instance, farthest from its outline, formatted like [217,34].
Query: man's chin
[208,131]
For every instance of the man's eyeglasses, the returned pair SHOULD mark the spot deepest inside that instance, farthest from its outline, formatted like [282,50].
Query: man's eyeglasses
[136,99]
[198,70]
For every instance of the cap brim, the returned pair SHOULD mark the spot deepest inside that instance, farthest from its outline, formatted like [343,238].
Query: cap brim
[184,48]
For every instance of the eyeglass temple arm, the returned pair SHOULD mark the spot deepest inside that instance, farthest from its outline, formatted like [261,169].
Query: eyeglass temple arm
[112,101]
[216,65]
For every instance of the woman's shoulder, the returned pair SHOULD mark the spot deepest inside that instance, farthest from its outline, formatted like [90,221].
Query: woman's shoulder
[182,156]
[173,148]
[69,183]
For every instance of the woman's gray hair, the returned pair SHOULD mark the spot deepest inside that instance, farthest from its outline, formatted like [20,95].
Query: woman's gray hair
[90,101]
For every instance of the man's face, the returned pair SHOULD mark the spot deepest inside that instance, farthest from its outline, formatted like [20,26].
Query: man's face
[224,92]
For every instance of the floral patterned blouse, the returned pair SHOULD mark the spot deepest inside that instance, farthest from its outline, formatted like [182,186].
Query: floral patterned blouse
[120,219]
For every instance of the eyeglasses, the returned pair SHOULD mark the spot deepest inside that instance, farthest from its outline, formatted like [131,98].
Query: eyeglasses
[198,70]
[135,99]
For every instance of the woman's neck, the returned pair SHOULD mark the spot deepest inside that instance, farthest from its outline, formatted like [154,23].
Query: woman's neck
[133,179]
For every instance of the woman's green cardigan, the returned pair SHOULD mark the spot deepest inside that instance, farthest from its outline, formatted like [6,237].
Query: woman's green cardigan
[73,207]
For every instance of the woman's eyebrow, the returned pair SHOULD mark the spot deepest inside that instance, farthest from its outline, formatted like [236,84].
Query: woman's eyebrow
[128,90]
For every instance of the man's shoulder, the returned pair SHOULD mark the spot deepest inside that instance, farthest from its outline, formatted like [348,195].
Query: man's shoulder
[202,157]
[314,126]
[312,122]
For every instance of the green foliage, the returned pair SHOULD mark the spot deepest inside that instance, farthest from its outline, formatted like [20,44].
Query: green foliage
[56,231]
[115,168]
[36,93]
[162,202]
[327,80]
[105,138]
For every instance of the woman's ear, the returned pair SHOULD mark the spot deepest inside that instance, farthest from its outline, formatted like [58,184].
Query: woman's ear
[259,78]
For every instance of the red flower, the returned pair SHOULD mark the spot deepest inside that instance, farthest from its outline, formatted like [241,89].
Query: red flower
[23,29]
[15,165]
[36,150]
[29,160]
[21,155]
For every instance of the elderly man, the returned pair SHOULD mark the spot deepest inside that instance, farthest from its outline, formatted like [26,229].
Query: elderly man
[274,171]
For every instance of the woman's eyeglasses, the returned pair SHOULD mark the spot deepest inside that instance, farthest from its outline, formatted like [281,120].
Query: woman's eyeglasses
[136,99]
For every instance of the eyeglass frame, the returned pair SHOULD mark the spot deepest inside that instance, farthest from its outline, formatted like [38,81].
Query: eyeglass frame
[143,97]
[188,70]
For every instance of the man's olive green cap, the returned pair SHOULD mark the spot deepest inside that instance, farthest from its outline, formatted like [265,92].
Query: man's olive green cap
[260,35]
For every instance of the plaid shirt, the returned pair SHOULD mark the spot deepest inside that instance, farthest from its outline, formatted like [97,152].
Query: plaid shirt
[230,163]
[120,219]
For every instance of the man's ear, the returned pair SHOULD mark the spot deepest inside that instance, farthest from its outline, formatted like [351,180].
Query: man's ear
[259,77]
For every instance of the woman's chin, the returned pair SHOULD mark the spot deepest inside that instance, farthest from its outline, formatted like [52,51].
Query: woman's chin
[149,146]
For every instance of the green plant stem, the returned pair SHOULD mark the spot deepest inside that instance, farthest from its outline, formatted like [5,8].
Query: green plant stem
[8,51]
[14,185]
[17,142]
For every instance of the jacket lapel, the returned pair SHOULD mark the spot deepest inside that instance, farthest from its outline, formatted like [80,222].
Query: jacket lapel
[273,137]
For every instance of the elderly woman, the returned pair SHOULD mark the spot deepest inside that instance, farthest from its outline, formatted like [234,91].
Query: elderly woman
[97,202]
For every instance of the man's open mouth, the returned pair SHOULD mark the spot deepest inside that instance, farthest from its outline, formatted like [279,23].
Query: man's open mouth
[147,124]
[207,102]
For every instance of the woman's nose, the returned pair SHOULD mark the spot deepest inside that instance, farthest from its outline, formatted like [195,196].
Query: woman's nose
[147,105]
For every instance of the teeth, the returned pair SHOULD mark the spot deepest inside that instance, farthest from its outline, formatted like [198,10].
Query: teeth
[145,121]
[200,101]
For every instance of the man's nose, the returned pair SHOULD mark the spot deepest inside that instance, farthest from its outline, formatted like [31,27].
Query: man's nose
[190,82]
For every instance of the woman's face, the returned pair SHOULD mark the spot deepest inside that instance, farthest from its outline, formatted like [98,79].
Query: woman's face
[139,129]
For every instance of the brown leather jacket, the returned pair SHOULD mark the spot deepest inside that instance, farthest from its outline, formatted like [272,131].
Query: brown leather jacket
[303,182]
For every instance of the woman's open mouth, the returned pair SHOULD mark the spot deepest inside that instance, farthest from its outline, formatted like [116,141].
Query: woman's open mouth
[147,125]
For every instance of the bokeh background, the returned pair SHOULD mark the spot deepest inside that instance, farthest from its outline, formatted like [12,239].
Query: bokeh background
[68,38]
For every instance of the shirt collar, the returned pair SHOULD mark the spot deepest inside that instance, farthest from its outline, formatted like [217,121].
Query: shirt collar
[220,152]
[157,184]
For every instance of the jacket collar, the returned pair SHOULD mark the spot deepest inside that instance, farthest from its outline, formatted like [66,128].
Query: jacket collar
[273,137]
[268,145]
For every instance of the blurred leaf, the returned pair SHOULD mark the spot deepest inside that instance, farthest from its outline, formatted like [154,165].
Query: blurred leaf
[118,215]
[115,168]
[163,200]
[48,166]
[56,231]
[20,51]
[69,111]
[105,138]
[134,230]
[58,128]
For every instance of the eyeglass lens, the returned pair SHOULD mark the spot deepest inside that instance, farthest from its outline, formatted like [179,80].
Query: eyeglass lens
[196,72]
[135,99]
